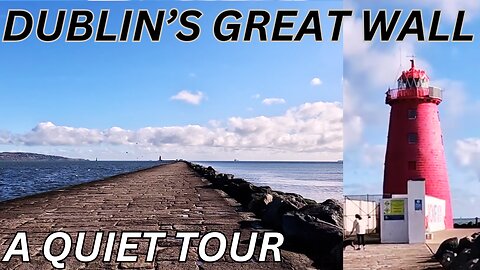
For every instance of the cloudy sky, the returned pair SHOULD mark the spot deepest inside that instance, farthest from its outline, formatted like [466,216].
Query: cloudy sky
[200,101]
[370,68]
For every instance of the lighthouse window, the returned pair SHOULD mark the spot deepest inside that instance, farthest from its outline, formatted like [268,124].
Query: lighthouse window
[412,138]
[412,114]
[412,165]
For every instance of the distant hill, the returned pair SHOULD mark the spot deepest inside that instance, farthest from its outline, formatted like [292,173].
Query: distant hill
[22,156]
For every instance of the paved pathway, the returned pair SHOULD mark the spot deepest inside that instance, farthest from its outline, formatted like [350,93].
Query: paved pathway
[166,198]
[389,256]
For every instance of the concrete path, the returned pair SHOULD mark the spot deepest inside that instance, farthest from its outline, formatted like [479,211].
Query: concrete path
[166,198]
[389,256]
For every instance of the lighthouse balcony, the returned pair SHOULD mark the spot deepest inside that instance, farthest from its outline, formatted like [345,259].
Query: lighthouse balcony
[428,93]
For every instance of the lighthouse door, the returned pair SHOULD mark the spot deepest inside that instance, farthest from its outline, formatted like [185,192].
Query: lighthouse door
[394,220]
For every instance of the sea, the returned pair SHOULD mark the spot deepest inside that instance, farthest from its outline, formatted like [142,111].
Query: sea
[314,180]
[22,178]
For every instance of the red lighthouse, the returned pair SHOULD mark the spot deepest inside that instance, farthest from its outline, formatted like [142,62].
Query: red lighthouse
[415,144]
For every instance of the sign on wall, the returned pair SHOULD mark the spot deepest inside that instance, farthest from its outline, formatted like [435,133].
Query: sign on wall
[394,209]
[418,205]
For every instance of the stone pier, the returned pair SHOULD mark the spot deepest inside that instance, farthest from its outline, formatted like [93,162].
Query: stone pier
[166,198]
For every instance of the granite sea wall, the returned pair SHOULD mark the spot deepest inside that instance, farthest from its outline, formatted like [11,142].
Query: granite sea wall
[309,227]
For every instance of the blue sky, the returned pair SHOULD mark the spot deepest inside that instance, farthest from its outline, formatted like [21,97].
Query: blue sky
[64,98]
[370,68]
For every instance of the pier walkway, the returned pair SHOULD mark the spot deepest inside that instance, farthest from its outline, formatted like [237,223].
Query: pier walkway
[390,256]
[167,198]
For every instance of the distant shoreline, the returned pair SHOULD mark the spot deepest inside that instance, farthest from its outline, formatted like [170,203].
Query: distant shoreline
[26,156]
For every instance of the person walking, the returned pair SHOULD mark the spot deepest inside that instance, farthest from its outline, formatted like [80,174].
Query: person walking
[360,229]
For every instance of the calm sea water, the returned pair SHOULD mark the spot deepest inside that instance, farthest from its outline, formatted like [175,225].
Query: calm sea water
[18,179]
[314,180]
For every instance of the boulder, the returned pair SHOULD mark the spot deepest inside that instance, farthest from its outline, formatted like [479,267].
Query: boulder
[330,211]
[318,238]
[336,257]
[476,240]
[465,242]
[449,244]
[297,200]
[244,192]
[258,203]
[274,211]
[460,261]
[473,264]
[447,259]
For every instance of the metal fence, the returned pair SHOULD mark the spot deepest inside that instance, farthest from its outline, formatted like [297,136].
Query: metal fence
[367,206]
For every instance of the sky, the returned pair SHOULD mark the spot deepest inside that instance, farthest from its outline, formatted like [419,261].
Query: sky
[204,100]
[371,67]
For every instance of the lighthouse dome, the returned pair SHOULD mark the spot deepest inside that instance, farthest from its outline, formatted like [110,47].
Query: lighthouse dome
[413,78]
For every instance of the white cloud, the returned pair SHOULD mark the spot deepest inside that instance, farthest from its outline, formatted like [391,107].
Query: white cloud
[310,131]
[316,82]
[467,153]
[272,101]
[47,133]
[5,137]
[451,7]
[256,96]
[189,97]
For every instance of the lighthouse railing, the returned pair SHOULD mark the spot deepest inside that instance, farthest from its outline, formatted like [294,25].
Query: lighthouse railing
[399,93]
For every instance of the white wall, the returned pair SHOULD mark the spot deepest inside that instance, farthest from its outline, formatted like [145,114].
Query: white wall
[416,211]
[435,214]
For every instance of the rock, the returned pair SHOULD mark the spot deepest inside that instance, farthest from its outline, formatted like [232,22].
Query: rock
[465,242]
[245,191]
[461,260]
[294,199]
[447,259]
[274,211]
[268,199]
[258,203]
[449,244]
[309,201]
[330,211]
[211,170]
[316,237]
[336,257]
[476,241]
[473,264]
